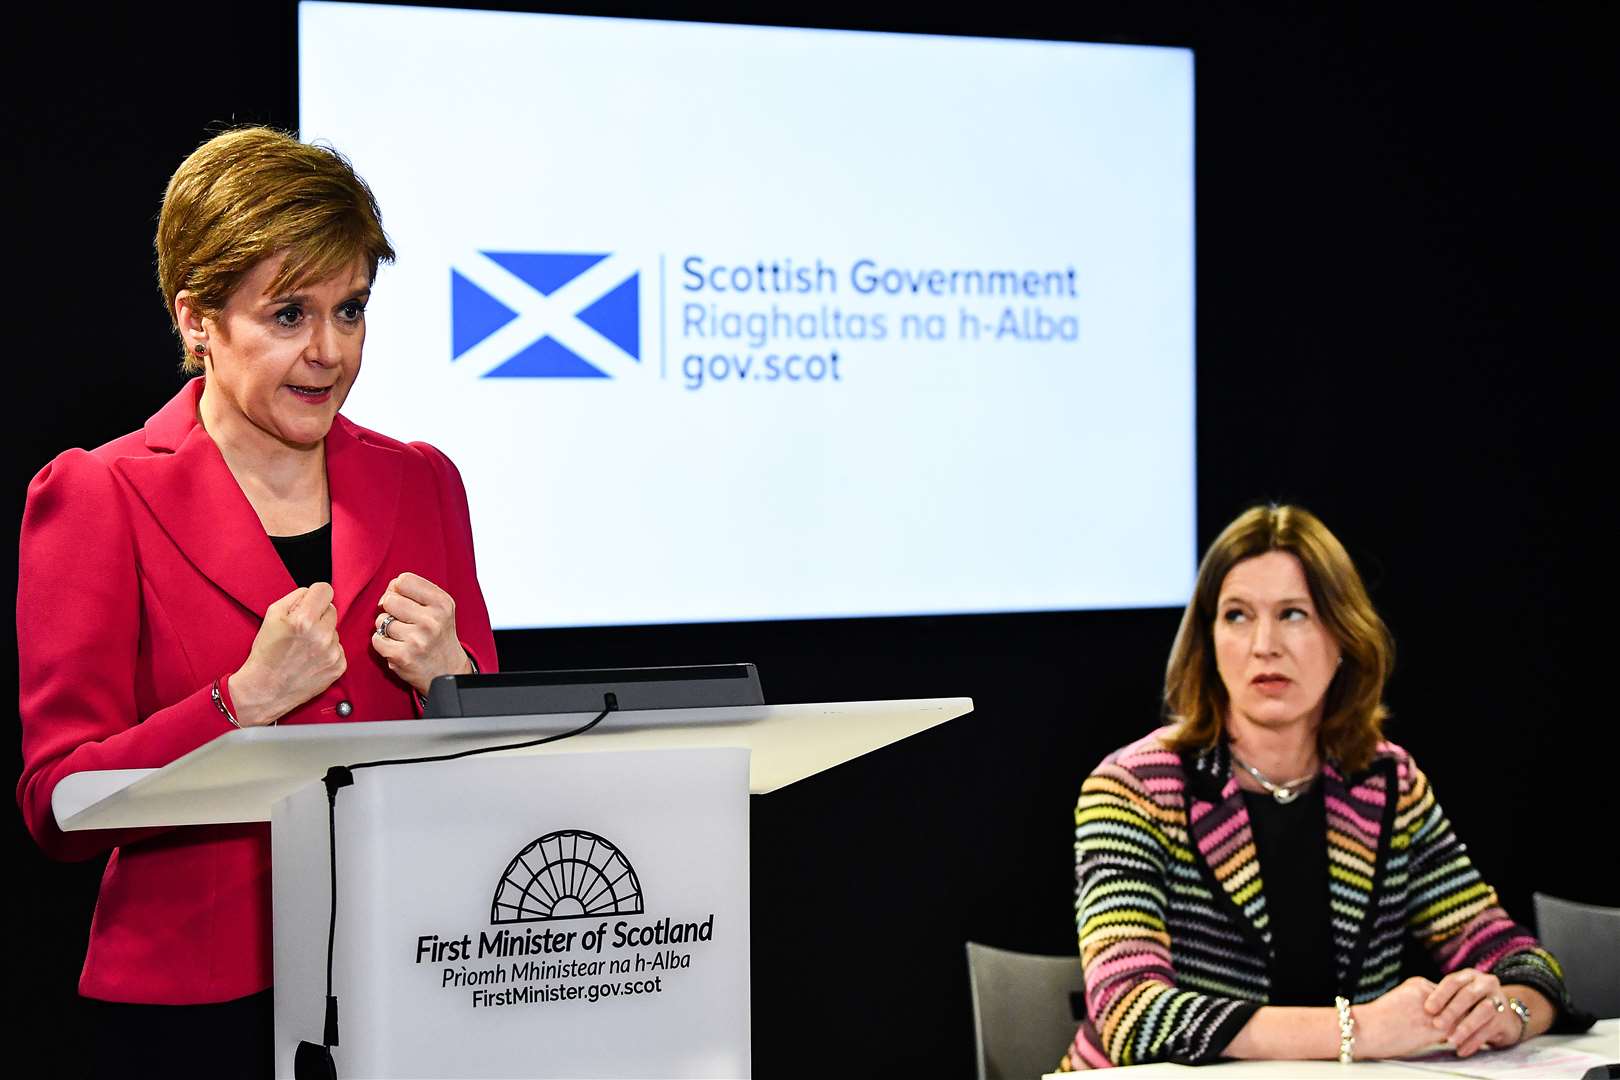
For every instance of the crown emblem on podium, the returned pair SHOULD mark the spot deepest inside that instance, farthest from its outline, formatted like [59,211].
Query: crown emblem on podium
[568,874]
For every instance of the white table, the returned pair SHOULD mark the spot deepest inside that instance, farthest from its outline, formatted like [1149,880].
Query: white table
[1603,1040]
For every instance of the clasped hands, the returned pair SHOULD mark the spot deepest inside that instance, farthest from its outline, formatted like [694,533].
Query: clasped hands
[1467,1010]
[297,655]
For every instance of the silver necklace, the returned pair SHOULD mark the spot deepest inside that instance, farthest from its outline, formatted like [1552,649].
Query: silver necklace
[1283,793]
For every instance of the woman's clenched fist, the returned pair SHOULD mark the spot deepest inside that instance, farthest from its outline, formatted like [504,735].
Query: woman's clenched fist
[295,656]
[416,632]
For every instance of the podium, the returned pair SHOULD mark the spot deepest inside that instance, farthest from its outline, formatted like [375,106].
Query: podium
[577,909]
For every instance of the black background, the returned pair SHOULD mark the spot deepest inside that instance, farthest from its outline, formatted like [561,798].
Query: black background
[1403,255]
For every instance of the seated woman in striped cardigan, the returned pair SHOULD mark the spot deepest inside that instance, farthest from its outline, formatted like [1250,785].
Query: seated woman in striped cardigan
[1249,875]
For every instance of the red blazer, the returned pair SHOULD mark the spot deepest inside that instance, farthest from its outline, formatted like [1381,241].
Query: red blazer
[144,575]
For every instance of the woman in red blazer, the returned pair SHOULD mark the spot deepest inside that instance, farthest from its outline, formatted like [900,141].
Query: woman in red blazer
[249,557]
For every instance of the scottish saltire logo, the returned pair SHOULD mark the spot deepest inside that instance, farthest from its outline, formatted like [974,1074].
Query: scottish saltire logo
[545,315]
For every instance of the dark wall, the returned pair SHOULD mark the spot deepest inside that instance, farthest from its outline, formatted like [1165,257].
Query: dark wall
[1400,240]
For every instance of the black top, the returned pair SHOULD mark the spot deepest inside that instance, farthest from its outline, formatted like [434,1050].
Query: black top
[1291,842]
[308,557]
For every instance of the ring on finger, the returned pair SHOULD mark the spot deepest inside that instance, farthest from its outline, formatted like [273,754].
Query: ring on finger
[1498,1004]
[387,621]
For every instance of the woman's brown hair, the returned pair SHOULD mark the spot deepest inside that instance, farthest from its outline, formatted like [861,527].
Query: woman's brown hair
[253,192]
[1353,712]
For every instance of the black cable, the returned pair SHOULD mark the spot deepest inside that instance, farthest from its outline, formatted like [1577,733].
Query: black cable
[612,703]
[341,776]
[333,781]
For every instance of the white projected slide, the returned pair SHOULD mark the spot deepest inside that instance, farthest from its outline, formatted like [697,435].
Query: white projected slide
[726,323]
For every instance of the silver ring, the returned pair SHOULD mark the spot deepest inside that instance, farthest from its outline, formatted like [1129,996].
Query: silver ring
[387,621]
[1501,1006]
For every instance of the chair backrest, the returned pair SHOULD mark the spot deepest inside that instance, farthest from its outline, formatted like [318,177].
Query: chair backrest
[1022,1019]
[1586,940]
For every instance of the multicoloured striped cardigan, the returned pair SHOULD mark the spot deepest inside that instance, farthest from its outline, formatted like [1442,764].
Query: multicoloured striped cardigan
[1171,907]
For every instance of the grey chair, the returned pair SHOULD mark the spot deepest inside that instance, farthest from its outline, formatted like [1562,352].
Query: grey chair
[1586,940]
[1022,1016]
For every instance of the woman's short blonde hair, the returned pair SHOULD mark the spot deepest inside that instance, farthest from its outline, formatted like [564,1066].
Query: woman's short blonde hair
[1353,711]
[251,193]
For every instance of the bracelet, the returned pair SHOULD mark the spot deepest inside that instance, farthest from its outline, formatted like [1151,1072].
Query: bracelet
[1347,1031]
[1522,1011]
[219,703]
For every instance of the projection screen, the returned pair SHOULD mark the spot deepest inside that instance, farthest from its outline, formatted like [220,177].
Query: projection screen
[732,323]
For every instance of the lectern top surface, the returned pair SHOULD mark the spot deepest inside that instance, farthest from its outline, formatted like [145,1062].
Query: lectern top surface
[242,774]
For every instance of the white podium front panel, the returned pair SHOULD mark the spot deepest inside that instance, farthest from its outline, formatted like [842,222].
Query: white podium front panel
[560,915]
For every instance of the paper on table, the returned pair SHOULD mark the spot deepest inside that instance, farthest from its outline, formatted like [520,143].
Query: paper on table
[1267,1070]
[1533,1061]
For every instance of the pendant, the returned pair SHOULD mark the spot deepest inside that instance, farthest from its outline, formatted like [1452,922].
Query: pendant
[1284,795]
